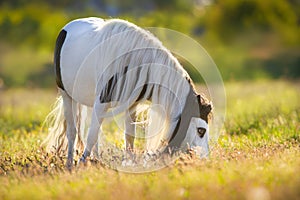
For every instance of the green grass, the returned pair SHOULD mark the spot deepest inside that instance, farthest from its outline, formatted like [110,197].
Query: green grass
[257,156]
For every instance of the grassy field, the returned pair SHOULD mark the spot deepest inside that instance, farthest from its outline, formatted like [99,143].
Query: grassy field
[257,156]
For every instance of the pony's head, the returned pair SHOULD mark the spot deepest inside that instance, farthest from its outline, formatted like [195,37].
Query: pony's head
[198,130]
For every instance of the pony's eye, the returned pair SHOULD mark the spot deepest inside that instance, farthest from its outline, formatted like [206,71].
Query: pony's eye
[201,132]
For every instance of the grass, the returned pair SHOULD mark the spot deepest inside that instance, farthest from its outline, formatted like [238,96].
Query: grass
[257,156]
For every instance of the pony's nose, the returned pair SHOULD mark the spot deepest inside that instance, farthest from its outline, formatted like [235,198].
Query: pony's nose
[201,151]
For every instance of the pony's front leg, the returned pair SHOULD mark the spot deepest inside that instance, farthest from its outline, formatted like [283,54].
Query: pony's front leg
[69,114]
[130,118]
[96,121]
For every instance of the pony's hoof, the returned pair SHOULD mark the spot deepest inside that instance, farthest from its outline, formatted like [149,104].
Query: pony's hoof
[69,165]
[82,162]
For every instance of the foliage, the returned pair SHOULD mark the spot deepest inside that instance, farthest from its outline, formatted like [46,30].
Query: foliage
[247,39]
[257,156]
[230,18]
[34,25]
[226,19]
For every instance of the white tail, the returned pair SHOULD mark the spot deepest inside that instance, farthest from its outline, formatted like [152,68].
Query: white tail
[56,141]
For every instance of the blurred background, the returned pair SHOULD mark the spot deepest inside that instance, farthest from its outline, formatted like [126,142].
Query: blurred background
[247,39]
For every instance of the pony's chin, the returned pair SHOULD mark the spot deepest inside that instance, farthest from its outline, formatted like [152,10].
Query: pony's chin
[200,151]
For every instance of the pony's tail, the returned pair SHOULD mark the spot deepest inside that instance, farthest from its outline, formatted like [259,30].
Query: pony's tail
[56,142]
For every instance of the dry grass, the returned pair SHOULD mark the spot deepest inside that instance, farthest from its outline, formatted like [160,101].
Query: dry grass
[257,157]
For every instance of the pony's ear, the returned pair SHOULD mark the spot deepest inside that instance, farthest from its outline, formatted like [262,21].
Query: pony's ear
[205,111]
[207,108]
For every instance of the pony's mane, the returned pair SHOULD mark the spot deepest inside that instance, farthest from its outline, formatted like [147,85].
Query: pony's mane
[135,37]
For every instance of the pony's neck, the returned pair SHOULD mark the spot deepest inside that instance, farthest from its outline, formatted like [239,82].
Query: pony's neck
[191,109]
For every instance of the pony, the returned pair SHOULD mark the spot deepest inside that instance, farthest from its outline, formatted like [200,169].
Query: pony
[111,66]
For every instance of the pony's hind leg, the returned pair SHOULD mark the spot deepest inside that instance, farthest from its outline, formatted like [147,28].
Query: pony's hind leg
[96,121]
[69,113]
[130,118]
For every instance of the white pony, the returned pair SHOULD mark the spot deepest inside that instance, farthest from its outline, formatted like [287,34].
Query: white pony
[111,66]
